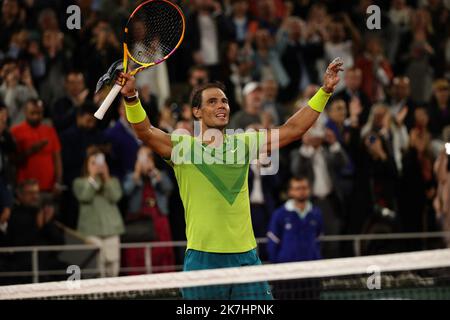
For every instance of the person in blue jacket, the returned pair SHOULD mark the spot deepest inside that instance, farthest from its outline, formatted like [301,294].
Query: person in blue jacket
[295,227]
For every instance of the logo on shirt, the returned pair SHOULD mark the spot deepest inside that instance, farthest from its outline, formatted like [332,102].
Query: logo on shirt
[288,226]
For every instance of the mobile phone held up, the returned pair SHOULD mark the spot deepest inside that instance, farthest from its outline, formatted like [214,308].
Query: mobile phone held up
[100,159]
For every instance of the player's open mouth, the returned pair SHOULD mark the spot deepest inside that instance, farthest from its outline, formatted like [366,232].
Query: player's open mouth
[221,115]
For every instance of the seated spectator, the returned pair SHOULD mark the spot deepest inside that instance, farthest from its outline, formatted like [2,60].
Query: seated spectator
[99,218]
[64,111]
[295,227]
[439,108]
[251,114]
[39,150]
[148,190]
[17,88]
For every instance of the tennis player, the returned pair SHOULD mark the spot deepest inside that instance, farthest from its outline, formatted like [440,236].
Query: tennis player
[215,195]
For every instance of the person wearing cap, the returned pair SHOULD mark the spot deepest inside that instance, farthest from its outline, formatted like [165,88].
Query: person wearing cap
[215,194]
[439,108]
[251,112]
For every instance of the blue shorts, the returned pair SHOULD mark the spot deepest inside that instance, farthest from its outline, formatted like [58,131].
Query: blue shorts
[199,260]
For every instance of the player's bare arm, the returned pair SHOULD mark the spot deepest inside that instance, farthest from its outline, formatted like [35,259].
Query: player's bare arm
[294,128]
[156,139]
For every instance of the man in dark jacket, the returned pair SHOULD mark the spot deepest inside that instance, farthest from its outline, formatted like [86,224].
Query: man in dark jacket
[31,224]
[295,226]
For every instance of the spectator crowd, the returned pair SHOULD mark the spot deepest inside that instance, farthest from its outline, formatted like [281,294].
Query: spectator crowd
[374,162]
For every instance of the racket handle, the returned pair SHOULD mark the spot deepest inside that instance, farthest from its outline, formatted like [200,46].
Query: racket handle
[107,102]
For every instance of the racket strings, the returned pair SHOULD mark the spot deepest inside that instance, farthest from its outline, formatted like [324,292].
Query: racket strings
[154,32]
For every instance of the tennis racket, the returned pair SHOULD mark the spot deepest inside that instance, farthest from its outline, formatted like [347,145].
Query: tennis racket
[153,32]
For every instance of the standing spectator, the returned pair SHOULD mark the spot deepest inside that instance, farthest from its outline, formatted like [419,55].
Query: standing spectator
[148,190]
[441,202]
[75,141]
[238,72]
[241,23]
[102,50]
[197,75]
[31,224]
[379,148]
[7,149]
[298,57]
[12,19]
[267,60]
[99,218]
[418,184]
[295,227]
[16,89]
[321,159]
[64,111]
[400,98]
[39,150]
[263,201]
[270,103]
[207,29]
[394,132]
[124,144]
[344,41]
[352,90]
[251,114]
[376,70]
[439,108]
[50,65]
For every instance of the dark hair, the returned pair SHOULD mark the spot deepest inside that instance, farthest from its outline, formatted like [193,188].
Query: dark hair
[197,68]
[2,104]
[34,102]
[298,178]
[25,183]
[73,71]
[87,108]
[196,95]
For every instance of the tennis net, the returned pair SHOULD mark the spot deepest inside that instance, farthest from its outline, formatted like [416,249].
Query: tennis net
[413,275]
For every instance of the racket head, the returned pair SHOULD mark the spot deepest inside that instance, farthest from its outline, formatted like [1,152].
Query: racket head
[153,32]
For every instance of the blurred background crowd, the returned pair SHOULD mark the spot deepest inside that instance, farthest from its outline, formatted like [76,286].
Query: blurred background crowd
[375,162]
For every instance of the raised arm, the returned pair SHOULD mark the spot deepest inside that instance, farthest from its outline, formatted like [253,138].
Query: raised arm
[156,139]
[294,128]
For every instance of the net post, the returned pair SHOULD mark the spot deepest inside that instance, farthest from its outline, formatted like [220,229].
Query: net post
[148,258]
[35,265]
